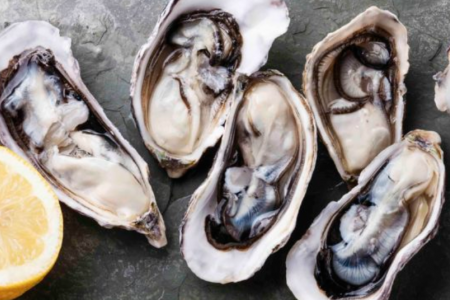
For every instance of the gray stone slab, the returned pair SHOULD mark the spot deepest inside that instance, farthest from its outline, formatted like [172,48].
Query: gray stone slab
[102,264]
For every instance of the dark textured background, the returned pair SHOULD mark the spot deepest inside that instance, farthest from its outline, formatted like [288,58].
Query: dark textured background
[101,264]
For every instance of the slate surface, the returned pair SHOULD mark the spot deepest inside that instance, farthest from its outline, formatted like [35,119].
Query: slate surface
[101,264]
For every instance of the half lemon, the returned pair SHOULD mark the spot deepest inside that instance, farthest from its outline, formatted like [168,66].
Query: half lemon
[31,226]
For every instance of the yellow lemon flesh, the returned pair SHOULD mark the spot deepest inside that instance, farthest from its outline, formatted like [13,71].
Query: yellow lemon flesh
[31,226]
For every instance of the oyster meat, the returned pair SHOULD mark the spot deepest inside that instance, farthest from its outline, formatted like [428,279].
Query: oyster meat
[248,206]
[442,92]
[353,80]
[185,75]
[48,116]
[355,248]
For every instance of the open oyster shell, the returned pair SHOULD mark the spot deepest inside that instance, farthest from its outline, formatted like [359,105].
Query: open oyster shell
[356,246]
[48,116]
[184,75]
[248,206]
[442,88]
[353,80]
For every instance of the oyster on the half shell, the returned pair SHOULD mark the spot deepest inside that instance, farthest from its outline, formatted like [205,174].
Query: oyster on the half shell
[184,76]
[353,80]
[48,116]
[247,207]
[442,88]
[356,246]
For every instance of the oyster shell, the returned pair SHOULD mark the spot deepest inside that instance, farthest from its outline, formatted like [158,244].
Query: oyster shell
[248,206]
[353,80]
[48,116]
[441,89]
[184,75]
[356,246]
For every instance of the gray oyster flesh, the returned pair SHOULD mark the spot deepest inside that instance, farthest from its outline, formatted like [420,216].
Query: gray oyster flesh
[188,84]
[355,86]
[261,161]
[365,235]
